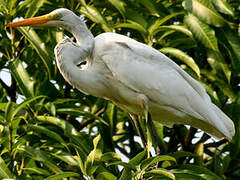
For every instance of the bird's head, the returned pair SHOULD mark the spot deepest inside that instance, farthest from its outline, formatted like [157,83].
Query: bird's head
[60,17]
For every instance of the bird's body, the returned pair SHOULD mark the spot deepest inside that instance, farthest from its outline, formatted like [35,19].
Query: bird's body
[131,74]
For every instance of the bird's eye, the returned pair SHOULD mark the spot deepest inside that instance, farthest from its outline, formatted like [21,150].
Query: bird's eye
[82,64]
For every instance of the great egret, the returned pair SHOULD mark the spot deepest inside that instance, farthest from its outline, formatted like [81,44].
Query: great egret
[132,75]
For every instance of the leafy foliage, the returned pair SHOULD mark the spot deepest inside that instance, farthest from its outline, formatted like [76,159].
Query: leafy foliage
[48,130]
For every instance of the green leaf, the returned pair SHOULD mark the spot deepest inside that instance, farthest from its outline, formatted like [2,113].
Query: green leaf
[37,170]
[127,174]
[25,103]
[110,156]
[5,173]
[119,5]
[216,60]
[51,108]
[69,130]
[153,160]
[178,28]
[62,175]
[202,32]
[66,157]
[94,155]
[149,4]
[64,125]
[25,82]
[204,10]
[137,17]
[34,7]
[183,57]
[132,25]
[40,129]
[39,46]
[92,13]
[223,7]
[9,111]
[186,174]
[195,171]
[160,171]
[39,155]
[153,29]
[124,164]
[77,112]
[232,42]
[106,176]
[4,5]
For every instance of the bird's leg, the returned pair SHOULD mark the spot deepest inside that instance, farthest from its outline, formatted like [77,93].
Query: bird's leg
[150,126]
[138,128]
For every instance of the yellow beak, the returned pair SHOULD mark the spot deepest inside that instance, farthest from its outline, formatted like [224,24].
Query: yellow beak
[36,21]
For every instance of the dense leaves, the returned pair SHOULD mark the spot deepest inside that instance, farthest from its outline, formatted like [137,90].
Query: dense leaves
[48,130]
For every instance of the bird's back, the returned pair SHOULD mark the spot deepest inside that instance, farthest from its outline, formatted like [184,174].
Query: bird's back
[174,96]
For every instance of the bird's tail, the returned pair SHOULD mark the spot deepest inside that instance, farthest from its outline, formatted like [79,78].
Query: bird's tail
[224,124]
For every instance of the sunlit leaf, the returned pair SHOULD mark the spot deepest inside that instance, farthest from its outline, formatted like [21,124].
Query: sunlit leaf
[5,173]
[160,171]
[223,6]
[202,32]
[25,82]
[183,57]
[39,46]
[92,13]
[204,10]
[154,27]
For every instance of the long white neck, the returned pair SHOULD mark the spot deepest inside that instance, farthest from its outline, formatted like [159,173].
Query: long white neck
[83,36]
[69,54]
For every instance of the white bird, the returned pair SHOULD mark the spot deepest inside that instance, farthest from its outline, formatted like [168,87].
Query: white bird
[132,75]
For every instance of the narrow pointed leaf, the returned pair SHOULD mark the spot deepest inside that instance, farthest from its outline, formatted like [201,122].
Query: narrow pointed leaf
[9,111]
[92,13]
[160,171]
[132,25]
[34,7]
[127,174]
[224,7]
[154,27]
[25,82]
[153,160]
[178,28]
[40,156]
[149,4]
[205,11]
[77,112]
[25,103]
[47,132]
[69,131]
[202,32]
[106,176]
[39,46]
[67,158]
[5,173]
[183,57]
[119,5]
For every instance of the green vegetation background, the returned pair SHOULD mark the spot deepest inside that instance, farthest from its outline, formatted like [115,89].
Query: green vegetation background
[56,132]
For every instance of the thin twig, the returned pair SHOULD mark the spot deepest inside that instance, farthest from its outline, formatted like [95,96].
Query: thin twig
[139,130]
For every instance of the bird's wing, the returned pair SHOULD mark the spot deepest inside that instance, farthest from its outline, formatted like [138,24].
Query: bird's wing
[135,63]
[149,72]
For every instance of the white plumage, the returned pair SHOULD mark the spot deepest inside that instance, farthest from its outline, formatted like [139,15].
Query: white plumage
[130,73]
